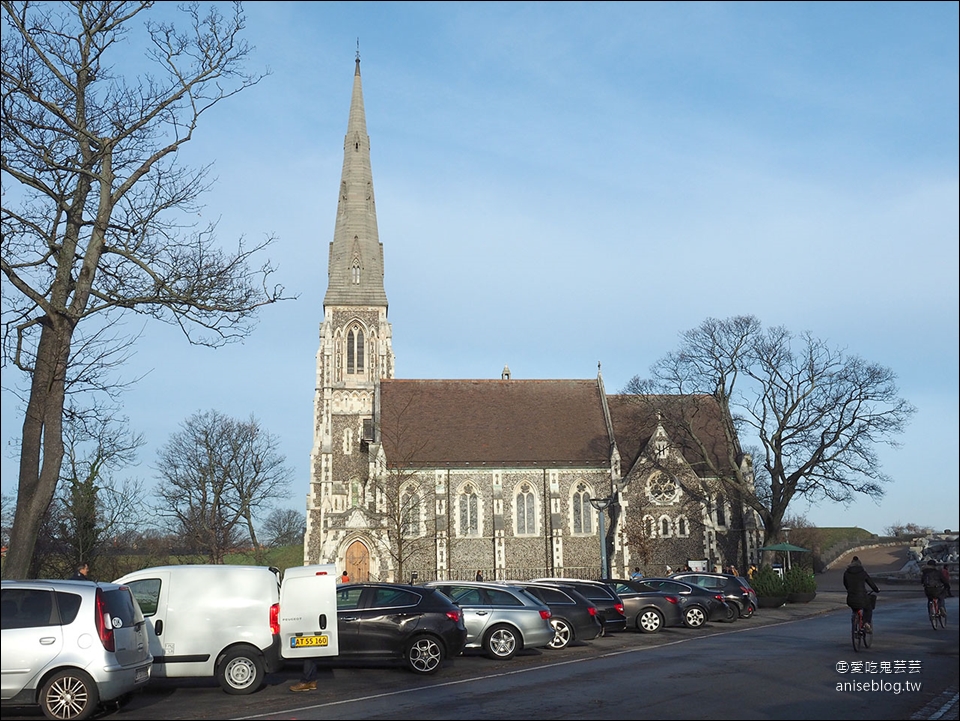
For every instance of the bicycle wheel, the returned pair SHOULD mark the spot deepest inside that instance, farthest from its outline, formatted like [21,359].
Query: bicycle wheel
[942,616]
[855,631]
[932,610]
[867,636]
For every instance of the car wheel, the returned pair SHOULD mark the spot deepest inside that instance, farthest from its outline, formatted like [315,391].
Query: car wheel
[424,655]
[562,633]
[732,613]
[748,611]
[501,642]
[694,617]
[649,620]
[241,671]
[69,695]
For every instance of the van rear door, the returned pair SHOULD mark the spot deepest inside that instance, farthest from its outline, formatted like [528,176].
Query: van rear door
[308,612]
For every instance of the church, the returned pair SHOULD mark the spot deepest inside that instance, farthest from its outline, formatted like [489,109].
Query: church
[510,478]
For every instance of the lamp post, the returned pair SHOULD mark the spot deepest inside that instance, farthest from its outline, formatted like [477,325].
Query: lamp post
[601,504]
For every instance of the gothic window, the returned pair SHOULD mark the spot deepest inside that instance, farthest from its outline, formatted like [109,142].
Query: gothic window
[468,508]
[347,441]
[682,527]
[664,527]
[721,512]
[649,531]
[410,512]
[582,511]
[355,350]
[355,271]
[662,488]
[354,494]
[526,505]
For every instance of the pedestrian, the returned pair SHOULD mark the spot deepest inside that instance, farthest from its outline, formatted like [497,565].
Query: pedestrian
[82,574]
[344,578]
[308,678]
[636,575]
[479,575]
[669,570]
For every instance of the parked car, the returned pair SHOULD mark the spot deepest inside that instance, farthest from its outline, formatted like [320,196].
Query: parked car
[390,623]
[737,590]
[609,605]
[500,619]
[70,647]
[698,605]
[574,616]
[647,611]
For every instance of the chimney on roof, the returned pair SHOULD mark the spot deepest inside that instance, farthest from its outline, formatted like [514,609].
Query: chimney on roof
[505,376]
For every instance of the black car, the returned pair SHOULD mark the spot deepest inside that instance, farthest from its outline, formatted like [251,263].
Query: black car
[575,617]
[647,611]
[386,622]
[698,605]
[736,590]
[609,605]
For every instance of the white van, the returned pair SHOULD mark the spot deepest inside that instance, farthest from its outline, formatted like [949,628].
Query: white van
[224,621]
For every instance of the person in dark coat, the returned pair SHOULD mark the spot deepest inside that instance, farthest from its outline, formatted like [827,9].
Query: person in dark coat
[855,580]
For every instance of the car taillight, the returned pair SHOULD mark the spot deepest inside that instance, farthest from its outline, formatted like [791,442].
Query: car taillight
[454,616]
[275,619]
[545,614]
[673,599]
[104,628]
[619,607]
[720,597]
[744,591]
[592,610]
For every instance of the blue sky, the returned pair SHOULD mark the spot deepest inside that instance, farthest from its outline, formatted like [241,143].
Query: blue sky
[562,184]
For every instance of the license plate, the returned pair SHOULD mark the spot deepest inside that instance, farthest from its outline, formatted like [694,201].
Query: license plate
[305,641]
[142,675]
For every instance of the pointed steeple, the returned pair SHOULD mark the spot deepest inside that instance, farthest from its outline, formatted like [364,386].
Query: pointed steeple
[355,267]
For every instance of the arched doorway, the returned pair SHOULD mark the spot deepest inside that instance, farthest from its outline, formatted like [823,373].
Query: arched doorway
[357,562]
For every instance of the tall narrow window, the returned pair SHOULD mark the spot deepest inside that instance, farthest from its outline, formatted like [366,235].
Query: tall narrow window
[526,510]
[410,512]
[648,528]
[664,527]
[469,512]
[681,526]
[582,515]
[355,271]
[721,513]
[355,350]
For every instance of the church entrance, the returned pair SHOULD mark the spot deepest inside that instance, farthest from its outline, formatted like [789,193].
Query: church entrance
[357,560]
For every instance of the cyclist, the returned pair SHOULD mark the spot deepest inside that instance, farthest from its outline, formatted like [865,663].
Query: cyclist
[855,580]
[932,581]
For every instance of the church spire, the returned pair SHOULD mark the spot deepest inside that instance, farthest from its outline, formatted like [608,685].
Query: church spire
[355,267]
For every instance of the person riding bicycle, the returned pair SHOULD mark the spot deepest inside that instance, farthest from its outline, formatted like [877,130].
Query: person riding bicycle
[932,581]
[855,580]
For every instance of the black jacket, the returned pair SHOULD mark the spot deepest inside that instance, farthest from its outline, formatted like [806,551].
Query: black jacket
[855,580]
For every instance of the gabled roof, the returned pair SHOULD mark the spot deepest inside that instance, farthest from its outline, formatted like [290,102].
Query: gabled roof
[635,420]
[493,423]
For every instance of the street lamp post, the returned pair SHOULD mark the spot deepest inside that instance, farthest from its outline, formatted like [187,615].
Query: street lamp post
[601,504]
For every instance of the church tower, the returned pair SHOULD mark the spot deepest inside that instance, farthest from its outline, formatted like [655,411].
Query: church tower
[355,352]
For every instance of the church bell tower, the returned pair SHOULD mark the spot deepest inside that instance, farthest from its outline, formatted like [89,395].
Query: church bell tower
[356,351]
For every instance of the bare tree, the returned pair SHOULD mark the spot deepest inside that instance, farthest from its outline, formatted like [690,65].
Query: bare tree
[93,212]
[284,527]
[817,413]
[216,475]
[403,507]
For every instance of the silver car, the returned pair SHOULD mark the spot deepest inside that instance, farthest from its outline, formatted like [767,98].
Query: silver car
[500,619]
[70,646]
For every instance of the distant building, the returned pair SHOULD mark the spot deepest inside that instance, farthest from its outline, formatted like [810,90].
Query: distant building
[440,478]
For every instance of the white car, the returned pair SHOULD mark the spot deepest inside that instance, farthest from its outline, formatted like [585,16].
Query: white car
[71,646]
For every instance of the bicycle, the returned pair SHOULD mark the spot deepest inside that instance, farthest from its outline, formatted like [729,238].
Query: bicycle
[938,614]
[860,634]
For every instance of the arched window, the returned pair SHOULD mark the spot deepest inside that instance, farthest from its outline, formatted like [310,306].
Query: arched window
[664,527]
[649,531]
[526,504]
[582,510]
[468,508]
[355,350]
[410,512]
[682,526]
[355,271]
[721,512]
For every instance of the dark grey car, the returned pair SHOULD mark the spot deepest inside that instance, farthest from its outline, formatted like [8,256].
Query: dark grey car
[738,592]
[575,617]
